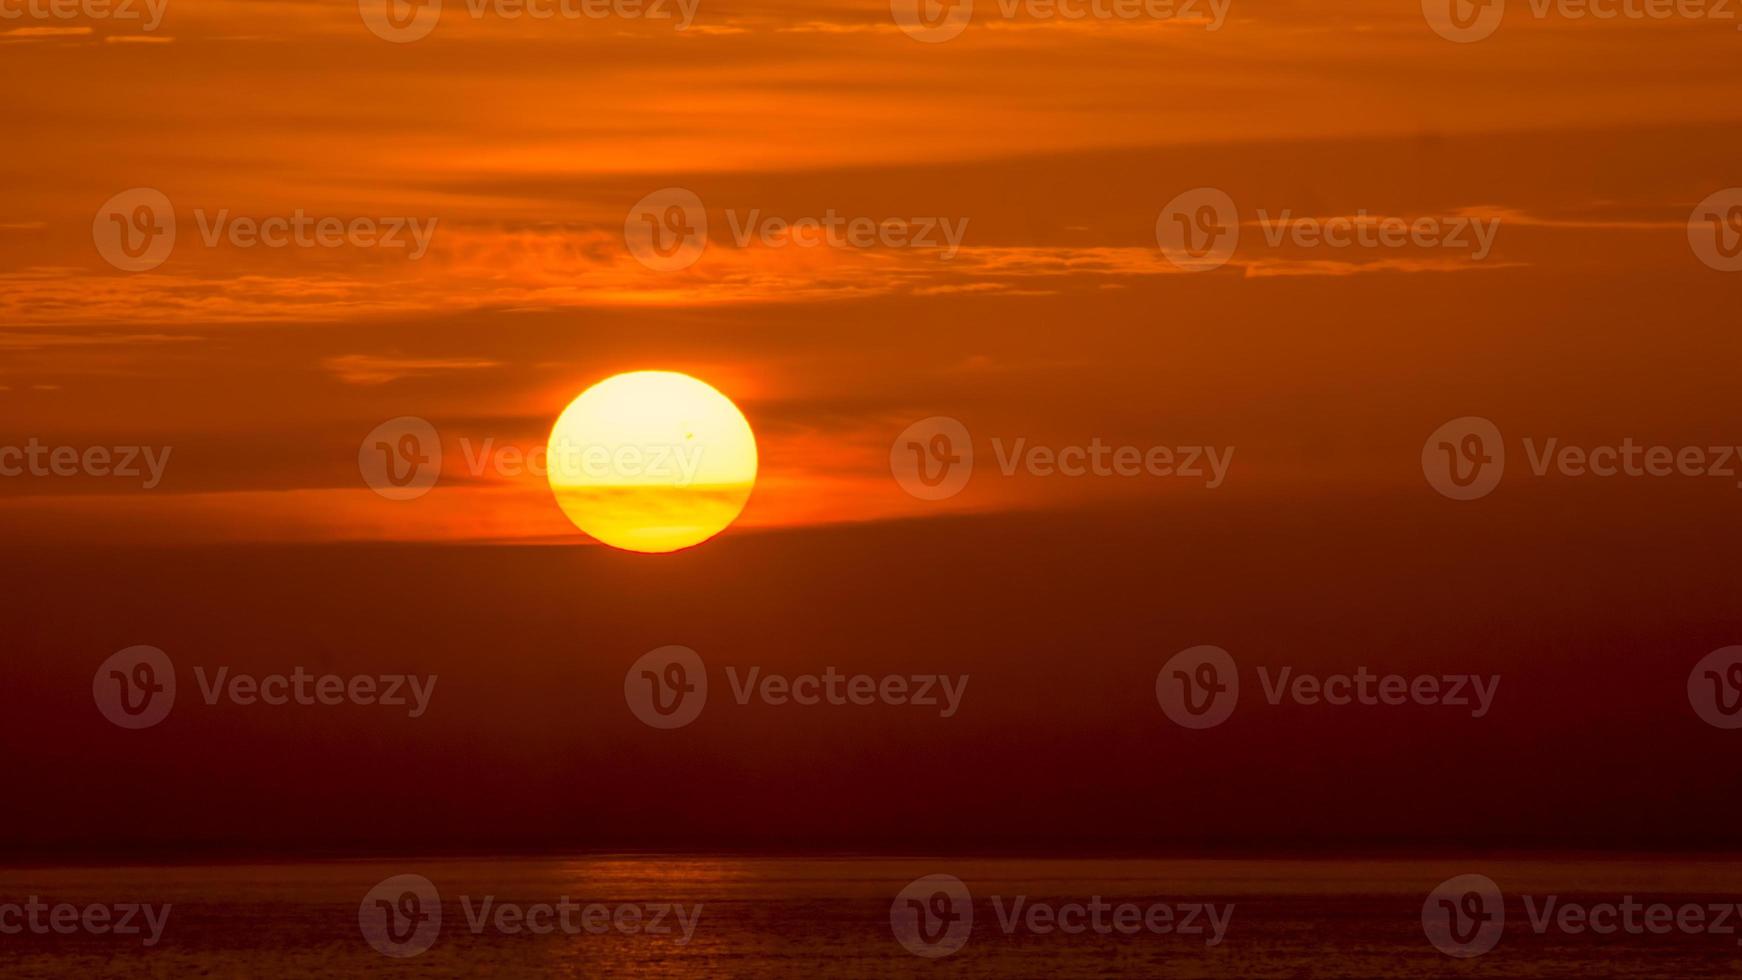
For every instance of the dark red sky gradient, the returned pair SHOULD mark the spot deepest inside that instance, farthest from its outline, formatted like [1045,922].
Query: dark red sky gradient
[1592,603]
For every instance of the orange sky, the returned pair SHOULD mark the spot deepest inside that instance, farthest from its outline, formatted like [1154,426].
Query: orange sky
[1055,319]
[1058,319]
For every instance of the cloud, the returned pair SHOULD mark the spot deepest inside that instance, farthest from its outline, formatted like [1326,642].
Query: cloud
[556,269]
[23,340]
[368,369]
[42,33]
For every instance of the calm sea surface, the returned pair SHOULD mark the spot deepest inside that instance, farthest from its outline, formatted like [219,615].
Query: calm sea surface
[808,917]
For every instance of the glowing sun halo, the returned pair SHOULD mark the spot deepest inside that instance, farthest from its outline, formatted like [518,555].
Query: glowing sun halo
[652,461]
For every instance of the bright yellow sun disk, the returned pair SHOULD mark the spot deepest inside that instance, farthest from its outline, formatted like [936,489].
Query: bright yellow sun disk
[652,461]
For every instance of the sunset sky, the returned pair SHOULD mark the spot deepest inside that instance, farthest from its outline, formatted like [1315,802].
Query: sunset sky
[1056,319]
[527,142]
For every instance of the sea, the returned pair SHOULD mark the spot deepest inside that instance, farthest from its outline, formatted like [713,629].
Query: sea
[698,915]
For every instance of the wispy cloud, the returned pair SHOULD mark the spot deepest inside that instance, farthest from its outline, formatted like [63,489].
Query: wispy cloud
[42,33]
[370,369]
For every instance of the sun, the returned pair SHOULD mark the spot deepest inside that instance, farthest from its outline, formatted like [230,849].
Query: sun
[652,461]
